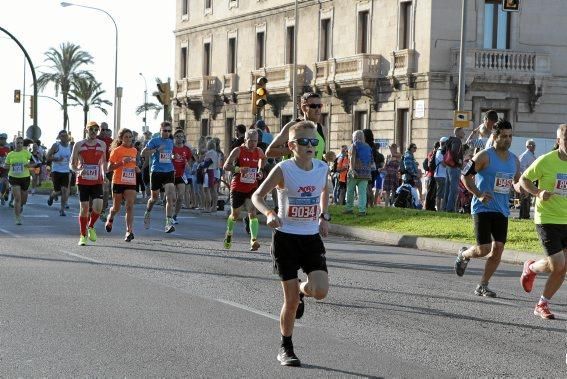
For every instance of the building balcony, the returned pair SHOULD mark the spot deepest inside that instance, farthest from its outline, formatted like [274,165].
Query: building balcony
[203,89]
[503,65]
[280,78]
[359,71]
[404,62]
[229,84]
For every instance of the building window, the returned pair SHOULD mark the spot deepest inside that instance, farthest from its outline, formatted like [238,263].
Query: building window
[183,63]
[496,26]
[185,6]
[360,120]
[405,25]
[204,127]
[260,50]
[363,30]
[325,40]
[181,124]
[207,59]
[208,5]
[403,129]
[231,55]
[228,132]
[290,45]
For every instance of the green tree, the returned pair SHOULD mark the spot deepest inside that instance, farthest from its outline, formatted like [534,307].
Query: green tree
[65,65]
[87,93]
[156,108]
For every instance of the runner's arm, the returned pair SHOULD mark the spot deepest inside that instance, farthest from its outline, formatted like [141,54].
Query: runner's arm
[73,163]
[51,152]
[275,178]
[229,163]
[278,147]
[324,204]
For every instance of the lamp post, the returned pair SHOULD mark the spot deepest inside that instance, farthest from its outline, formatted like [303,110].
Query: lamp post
[145,101]
[115,115]
[293,78]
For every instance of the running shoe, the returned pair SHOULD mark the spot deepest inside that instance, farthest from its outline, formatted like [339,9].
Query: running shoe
[62,213]
[461,263]
[227,240]
[247,225]
[108,224]
[147,220]
[129,237]
[174,218]
[254,245]
[528,276]
[82,241]
[92,234]
[18,220]
[542,310]
[50,200]
[483,290]
[287,357]
[169,225]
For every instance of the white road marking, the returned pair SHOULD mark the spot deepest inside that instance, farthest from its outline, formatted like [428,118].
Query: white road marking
[10,233]
[35,216]
[244,307]
[80,256]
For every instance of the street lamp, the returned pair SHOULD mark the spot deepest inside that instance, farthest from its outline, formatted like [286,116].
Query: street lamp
[116,118]
[145,101]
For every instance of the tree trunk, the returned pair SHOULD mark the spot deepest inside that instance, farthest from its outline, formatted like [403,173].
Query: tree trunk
[65,115]
[85,116]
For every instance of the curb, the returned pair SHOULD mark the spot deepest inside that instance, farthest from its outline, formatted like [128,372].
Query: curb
[421,243]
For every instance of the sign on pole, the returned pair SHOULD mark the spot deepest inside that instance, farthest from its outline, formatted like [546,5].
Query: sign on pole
[511,5]
[462,119]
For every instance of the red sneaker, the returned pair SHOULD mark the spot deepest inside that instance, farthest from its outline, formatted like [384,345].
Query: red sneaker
[528,276]
[542,310]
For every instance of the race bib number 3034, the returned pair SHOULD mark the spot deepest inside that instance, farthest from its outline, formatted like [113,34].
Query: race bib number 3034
[303,209]
[560,185]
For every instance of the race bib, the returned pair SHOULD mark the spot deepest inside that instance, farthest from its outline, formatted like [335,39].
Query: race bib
[303,209]
[165,157]
[90,172]
[503,183]
[248,175]
[17,168]
[560,185]
[129,176]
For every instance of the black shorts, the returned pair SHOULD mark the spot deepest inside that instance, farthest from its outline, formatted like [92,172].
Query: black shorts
[89,192]
[158,180]
[239,198]
[178,180]
[120,188]
[553,237]
[60,179]
[146,176]
[489,226]
[290,252]
[23,183]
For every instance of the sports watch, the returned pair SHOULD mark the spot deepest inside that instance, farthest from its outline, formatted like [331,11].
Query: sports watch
[325,216]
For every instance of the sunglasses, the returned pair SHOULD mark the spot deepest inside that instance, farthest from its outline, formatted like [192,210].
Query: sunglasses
[94,129]
[315,106]
[166,130]
[306,141]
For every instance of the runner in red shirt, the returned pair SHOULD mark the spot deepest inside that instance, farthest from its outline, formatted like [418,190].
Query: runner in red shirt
[88,161]
[181,155]
[246,162]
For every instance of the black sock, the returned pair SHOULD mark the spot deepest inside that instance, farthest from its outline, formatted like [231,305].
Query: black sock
[286,341]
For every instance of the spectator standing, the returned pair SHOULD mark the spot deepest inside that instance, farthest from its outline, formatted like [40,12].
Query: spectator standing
[409,165]
[483,132]
[453,146]
[377,163]
[359,172]
[440,175]
[391,169]
[340,168]
[526,159]
[430,185]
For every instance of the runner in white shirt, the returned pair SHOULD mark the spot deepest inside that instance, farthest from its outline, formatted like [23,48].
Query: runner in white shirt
[59,154]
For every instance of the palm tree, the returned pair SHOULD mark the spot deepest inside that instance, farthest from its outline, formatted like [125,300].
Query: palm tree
[149,107]
[87,93]
[65,65]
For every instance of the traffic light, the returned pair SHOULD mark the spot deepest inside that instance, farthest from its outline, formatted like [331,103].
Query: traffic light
[511,5]
[17,96]
[259,95]
[31,106]
[164,93]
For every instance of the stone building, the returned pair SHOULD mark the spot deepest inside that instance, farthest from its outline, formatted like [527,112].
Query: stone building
[387,65]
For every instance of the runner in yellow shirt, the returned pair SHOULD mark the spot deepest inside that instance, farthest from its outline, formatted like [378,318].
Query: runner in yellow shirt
[550,170]
[19,162]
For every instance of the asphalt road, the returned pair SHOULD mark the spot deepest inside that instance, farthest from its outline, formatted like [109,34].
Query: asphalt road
[181,305]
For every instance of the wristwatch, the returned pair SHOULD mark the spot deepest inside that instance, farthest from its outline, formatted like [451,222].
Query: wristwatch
[325,216]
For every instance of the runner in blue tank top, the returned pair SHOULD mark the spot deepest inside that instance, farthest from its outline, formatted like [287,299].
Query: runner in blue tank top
[490,176]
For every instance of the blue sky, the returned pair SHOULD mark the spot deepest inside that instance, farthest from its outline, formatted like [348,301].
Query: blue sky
[145,44]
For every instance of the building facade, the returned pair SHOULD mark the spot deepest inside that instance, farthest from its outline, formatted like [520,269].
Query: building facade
[388,65]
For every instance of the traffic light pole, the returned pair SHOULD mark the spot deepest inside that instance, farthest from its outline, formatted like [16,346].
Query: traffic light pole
[34,105]
[24,101]
[461,98]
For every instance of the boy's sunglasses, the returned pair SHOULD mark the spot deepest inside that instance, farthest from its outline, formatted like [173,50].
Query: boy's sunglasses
[306,141]
[315,106]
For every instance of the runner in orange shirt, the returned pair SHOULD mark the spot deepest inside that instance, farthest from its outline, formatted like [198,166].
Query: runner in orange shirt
[123,162]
